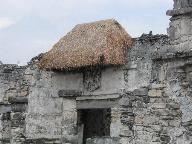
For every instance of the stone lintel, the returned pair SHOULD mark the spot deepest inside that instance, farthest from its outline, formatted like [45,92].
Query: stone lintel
[69,93]
[96,104]
[98,97]
[14,100]
[181,11]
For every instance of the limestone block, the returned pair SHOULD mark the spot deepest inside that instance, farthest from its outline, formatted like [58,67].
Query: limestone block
[173,105]
[17,119]
[69,139]
[43,141]
[158,100]
[68,104]
[156,128]
[115,128]
[69,117]
[186,26]
[175,123]
[104,140]
[158,105]
[19,107]
[23,93]
[125,101]
[17,135]
[137,127]
[141,92]
[115,122]
[67,81]
[157,86]
[150,120]
[139,120]
[125,140]
[5,109]
[112,79]
[155,93]
[43,126]
[41,101]
[43,79]
[69,93]
[133,79]
[174,30]
[70,129]
[126,133]
[21,100]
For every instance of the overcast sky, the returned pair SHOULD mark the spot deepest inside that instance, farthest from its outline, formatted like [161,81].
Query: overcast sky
[29,27]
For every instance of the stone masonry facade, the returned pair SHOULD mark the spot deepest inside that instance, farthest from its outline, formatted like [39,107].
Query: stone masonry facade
[146,101]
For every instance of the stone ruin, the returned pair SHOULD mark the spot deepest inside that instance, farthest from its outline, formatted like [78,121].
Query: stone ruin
[148,100]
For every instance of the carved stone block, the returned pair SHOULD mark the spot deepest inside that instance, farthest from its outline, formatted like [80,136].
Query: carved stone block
[69,93]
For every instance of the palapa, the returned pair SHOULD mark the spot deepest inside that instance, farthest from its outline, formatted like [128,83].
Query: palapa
[99,43]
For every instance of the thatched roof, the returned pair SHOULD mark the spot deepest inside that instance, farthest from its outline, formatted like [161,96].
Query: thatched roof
[99,43]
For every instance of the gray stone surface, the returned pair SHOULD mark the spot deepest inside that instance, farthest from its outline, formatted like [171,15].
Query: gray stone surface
[69,93]
[103,140]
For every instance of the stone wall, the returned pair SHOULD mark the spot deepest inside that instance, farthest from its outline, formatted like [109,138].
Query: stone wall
[14,89]
[152,93]
[50,118]
[158,109]
[149,98]
[52,111]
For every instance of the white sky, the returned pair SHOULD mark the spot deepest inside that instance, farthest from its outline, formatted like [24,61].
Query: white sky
[29,27]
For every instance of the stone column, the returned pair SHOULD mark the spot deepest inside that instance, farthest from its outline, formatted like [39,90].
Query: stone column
[180,29]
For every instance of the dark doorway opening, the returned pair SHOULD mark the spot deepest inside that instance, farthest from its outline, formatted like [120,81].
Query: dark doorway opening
[96,122]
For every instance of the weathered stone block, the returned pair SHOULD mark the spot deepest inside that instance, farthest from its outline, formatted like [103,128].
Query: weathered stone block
[151,120]
[5,116]
[13,100]
[68,104]
[139,120]
[173,105]
[18,107]
[155,93]
[5,108]
[69,117]
[17,119]
[126,133]
[69,93]
[104,140]
[158,100]
[42,102]
[158,86]
[126,102]
[23,93]
[141,92]
[159,105]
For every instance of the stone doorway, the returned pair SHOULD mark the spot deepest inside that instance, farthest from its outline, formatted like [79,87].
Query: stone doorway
[93,123]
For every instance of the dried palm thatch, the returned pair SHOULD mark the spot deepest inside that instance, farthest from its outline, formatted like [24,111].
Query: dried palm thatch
[100,43]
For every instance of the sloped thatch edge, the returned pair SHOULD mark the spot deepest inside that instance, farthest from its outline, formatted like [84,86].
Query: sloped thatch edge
[114,52]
